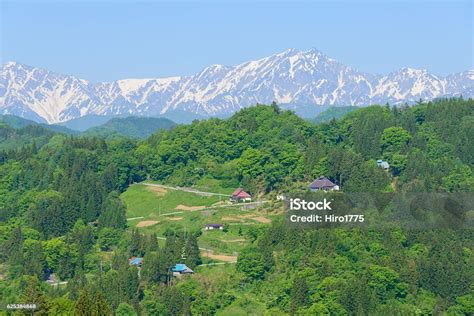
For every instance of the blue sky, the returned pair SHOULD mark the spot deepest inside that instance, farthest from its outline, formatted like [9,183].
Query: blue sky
[107,40]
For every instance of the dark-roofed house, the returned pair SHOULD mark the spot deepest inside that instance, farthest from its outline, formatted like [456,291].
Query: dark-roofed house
[239,195]
[181,268]
[324,184]
[213,226]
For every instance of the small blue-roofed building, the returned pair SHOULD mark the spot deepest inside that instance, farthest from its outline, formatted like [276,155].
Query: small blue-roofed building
[135,261]
[181,268]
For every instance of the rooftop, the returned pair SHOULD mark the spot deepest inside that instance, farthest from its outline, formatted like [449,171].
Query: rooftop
[181,267]
[321,182]
[135,261]
[240,193]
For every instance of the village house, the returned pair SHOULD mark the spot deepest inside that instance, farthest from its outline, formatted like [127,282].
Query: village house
[323,184]
[52,279]
[239,195]
[135,261]
[383,164]
[213,226]
[181,268]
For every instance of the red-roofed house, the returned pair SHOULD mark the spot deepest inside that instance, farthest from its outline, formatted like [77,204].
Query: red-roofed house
[240,195]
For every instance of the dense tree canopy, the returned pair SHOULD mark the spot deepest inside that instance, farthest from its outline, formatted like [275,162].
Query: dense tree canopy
[61,216]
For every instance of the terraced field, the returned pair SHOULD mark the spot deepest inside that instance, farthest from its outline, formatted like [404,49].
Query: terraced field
[164,209]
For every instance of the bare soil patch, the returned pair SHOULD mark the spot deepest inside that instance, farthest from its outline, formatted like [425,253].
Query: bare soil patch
[182,207]
[235,240]
[175,218]
[241,223]
[230,218]
[247,215]
[226,258]
[158,191]
[262,219]
[146,223]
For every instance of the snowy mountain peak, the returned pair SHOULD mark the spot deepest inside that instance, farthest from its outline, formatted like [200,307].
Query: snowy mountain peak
[10,64]
[469,74]
[292,78]
[412,72]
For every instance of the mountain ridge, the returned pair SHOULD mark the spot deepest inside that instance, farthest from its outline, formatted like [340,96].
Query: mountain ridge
[291,78]
[111,127]
[132,126]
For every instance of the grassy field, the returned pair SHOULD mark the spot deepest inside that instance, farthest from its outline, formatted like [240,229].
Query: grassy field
[151,202]
[160,210]
[209,185]
[244,303]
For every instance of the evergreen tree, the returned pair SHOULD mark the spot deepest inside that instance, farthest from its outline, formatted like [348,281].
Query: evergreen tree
[137,244]
[35,262]
[193,257]
[111,289]
[108,237]
[173,299]
[101,307]
[110,178]
[113,212]
[14,247]
[120,260]
[299,294]
[66,266]
[152,243]
[155,269]
[128,283]
[76,284]
[84,305]
[180,248]
[171,252]
[32,294]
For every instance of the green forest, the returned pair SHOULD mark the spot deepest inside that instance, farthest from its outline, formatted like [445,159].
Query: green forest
[62,215]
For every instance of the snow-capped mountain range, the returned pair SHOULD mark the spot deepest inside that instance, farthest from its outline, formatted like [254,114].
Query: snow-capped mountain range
[291,78]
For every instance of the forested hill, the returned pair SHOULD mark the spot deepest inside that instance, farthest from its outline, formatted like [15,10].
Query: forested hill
[31,136]
[333,112]
[266,149]
[18,122]
[18,134]
[133,126]
[61,214]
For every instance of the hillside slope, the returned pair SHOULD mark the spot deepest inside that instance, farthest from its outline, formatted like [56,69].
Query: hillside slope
[135,127]
[334,112]
[62,217]
[19,122]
